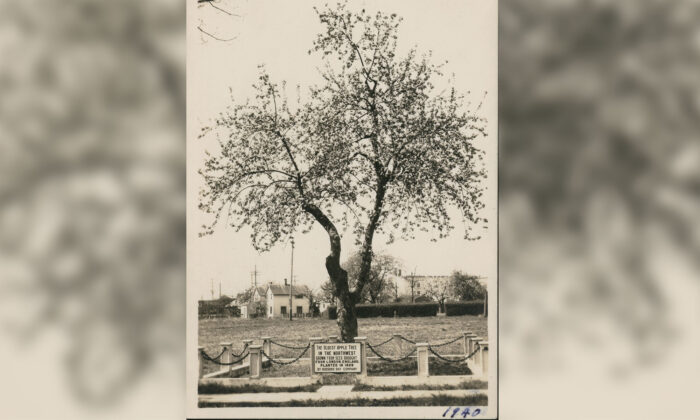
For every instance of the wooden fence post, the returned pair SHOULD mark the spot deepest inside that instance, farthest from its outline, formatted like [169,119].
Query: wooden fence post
[469,343]
[267,346]
[255,361]
[423,365]
[363,355]
[476,341]
[246,345]
[484,346]
[227,357]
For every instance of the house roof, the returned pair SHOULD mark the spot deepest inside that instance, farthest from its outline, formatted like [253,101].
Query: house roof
[262,290]
[284,290]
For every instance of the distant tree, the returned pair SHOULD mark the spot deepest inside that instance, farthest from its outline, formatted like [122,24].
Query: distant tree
[438,290]
[260,308]
[376,148]
[467,286]
[326,293]
[245,296]
[314,298]
[395,290]
[412,281]
[380,287]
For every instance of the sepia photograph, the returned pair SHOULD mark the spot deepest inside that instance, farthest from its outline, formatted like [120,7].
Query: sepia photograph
[342,193]
[349,209]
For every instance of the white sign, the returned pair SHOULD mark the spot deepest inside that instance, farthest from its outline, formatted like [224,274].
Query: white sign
[337,357]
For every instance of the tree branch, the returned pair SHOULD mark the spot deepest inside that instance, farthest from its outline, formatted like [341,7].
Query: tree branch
[214,36]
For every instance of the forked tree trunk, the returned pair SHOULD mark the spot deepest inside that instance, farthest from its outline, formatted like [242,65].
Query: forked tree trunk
[347,319]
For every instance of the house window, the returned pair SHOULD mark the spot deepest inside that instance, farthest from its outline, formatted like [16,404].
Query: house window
[270,310]
[283,310]
[299,310]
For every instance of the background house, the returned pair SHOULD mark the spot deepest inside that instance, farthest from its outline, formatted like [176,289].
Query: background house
[421,285]
[248,302]
[278,300]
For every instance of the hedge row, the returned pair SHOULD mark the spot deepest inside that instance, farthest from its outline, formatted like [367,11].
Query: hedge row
[389,310]
[474,307]
[411,309]
[396,309]
[218,311]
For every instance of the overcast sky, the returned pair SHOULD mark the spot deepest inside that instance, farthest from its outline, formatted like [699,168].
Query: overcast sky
[279,34]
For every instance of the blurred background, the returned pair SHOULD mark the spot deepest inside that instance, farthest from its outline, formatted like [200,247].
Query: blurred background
[92,206]
[599,208]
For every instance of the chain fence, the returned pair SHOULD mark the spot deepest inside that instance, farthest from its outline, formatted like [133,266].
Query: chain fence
[287,346]
[386,359]
[430,349]
[241,353]
[206,356]
[372,347]
[216,361]
[382,343]
[405,339]
[446,343]
[279,362]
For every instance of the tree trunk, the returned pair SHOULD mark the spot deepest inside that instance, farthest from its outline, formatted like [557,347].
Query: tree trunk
[363,277]
[347,319]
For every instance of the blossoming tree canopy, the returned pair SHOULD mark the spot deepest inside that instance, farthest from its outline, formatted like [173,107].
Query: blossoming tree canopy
[376,148]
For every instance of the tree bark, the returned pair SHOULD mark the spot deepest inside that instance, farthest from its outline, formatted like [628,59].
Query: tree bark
[347,318]
[367,252]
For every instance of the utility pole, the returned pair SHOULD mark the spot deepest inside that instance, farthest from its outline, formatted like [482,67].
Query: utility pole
[254,280]
[291,282]
[212,289]
[413,284]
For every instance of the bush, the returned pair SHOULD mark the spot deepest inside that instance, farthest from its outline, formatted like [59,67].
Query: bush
[474,307]
[213,311]
[330,313]
[401,309]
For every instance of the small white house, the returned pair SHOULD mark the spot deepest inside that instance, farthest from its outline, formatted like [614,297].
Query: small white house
[278,300]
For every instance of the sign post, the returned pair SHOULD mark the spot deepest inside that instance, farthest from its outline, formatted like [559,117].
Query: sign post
[337,358]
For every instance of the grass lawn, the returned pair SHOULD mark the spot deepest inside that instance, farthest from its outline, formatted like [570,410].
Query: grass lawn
[253,388]
[434,330]
[410,368]
[475,384]
[435,400]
